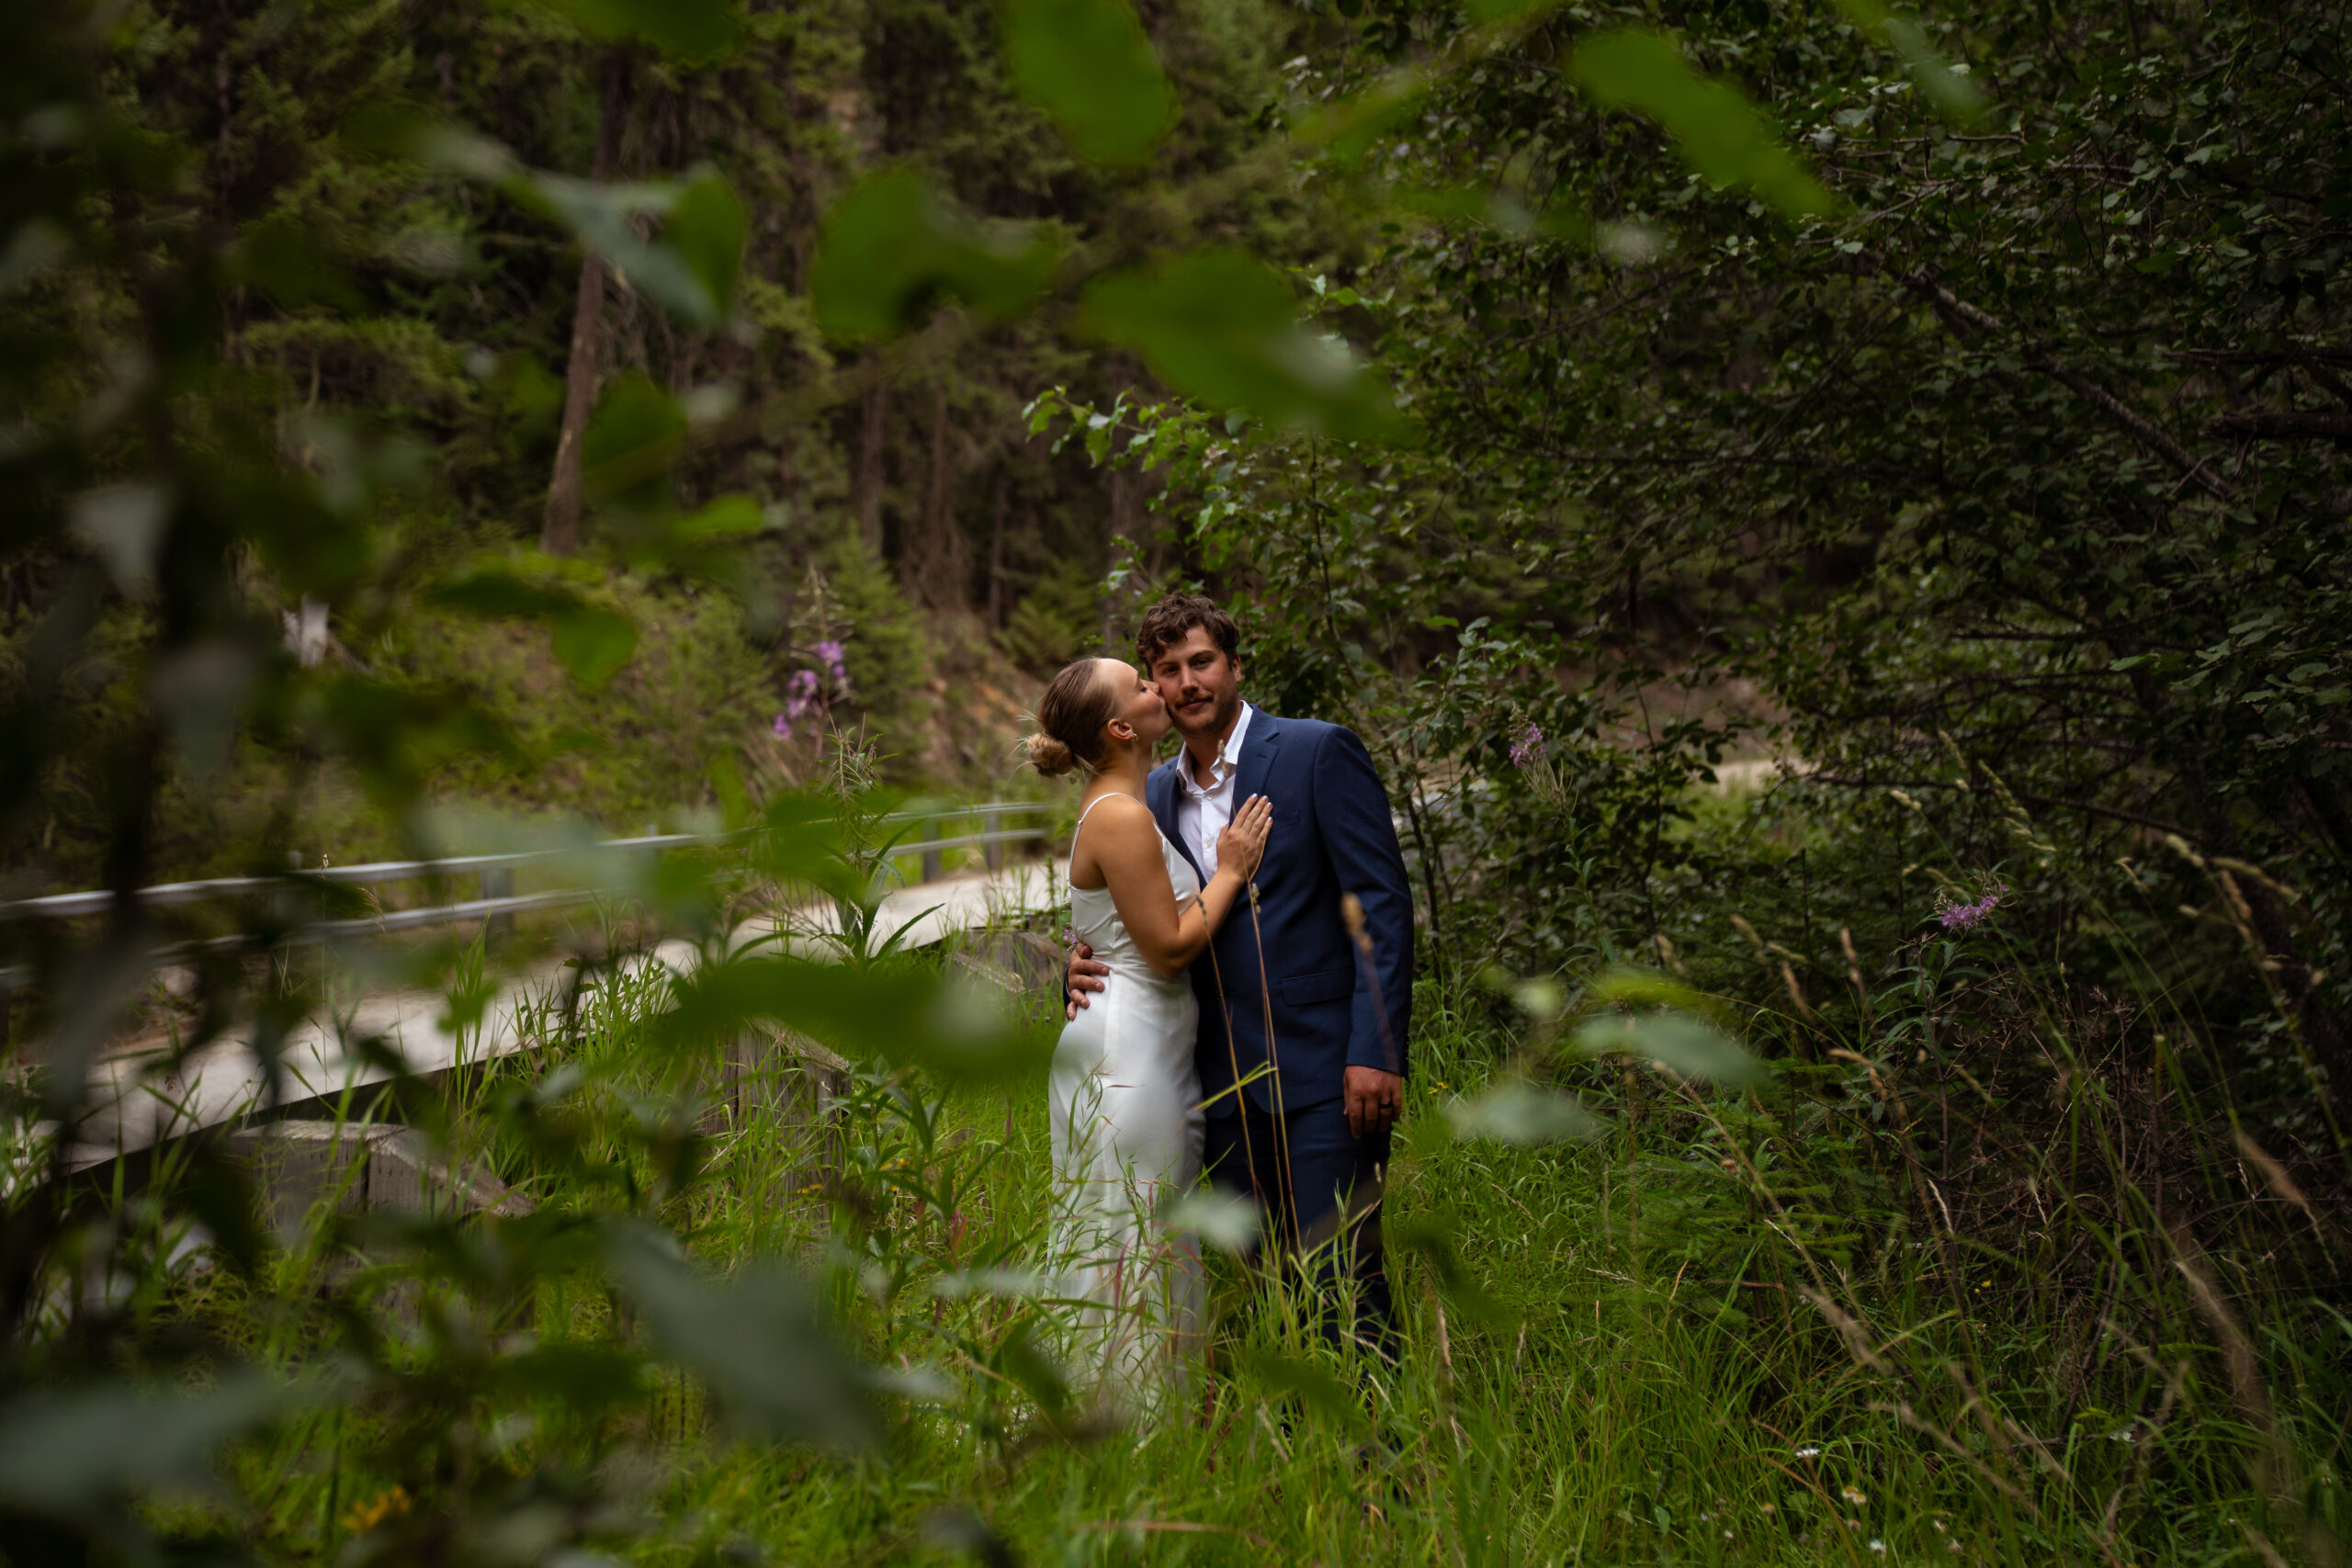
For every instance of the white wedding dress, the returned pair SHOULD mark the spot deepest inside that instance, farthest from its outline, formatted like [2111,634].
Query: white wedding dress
[1128,1131]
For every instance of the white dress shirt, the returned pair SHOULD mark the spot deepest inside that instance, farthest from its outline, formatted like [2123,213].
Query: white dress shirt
[1203,814]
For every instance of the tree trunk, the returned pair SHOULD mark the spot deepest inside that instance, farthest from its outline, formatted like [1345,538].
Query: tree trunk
[868,487]
[560,531]
[1000,503]
[938,568]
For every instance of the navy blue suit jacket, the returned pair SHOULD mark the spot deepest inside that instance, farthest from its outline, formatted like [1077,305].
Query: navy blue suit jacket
[1294,966]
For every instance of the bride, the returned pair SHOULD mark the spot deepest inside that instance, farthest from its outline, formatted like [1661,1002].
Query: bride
[1126,1096]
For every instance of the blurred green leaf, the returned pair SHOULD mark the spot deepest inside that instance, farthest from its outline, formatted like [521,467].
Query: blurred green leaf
[220,1193]
[691,269]
[1727,139]
[591,640]
[308,546]
[1955,95]
[1349,127]
[1686,1045]
[958,1283]
[497,591]
[82,1453]
[199,691]
[689,30]
[390,128]
[123,526]
[1226,1221]
[1032,1369]
[1516,1111]
[602,215]
[396,735]
[586,1379]
[1630,986]
[593,643]
[1223,327]
[893,245]
[753,1337]
[706,229]
[1317,1388]
[634,435]
[1500,210]
[1088,65]
[1430,1237]
[800,841]
[898,1011]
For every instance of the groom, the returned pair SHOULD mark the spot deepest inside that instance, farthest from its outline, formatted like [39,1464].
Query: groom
[1311,1027]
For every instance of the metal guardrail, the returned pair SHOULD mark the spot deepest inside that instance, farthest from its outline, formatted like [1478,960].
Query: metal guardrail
[498,901]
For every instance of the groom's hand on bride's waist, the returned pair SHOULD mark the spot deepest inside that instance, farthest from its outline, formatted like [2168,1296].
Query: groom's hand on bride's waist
[1086,974]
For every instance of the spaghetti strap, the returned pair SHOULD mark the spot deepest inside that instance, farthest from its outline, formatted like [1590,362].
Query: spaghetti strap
[1098,800]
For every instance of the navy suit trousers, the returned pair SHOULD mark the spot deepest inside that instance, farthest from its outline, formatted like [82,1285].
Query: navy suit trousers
[1318,1187]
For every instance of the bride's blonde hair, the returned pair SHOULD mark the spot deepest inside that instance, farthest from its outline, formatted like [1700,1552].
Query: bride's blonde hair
[1070,717]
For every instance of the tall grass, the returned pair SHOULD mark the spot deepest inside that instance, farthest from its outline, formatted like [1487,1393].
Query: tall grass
[1982,1270]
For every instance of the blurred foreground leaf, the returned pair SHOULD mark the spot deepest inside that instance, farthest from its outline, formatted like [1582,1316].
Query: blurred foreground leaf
[679,279]
[636,433]
[898,1011]
[1956,97]
[593,641]
[1519,1112]
[689,267]
[78,1455]
[1226,1221]
[706,230]
[1088,64]
[1350,127]
[1689,1047]
[893,245]
[1318,1389]
[1431,1237]
[1727,139]
[1223,327]
[753,1337]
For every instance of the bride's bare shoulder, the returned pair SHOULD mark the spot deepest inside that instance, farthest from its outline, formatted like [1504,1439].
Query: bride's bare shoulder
[1120,813]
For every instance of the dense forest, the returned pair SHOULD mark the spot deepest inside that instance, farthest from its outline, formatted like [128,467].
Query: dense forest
[1830,522]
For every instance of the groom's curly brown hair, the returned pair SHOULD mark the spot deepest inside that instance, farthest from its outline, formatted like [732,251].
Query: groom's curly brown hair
[1167,622]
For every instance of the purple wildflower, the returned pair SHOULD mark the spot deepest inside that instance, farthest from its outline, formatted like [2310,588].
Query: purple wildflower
[781,728]
[1968,917]
[1528,748]
[835,659]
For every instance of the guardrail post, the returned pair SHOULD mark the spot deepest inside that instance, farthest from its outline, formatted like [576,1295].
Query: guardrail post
[931,857]
[993,855]
[498,882]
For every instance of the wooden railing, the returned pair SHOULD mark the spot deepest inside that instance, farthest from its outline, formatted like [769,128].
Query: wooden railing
[997,824]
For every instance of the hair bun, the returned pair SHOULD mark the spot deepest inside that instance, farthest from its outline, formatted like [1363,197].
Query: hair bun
[1050,757]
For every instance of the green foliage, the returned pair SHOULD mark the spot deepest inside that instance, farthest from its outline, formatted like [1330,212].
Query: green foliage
[689,28]
[1223,327]
[1087,63]
[592,642]
[2008,479]
[892,246]
[1722,134]
[890,650]
[1056,620]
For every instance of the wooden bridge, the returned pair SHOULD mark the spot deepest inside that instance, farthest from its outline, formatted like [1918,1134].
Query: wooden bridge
[133,1106]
